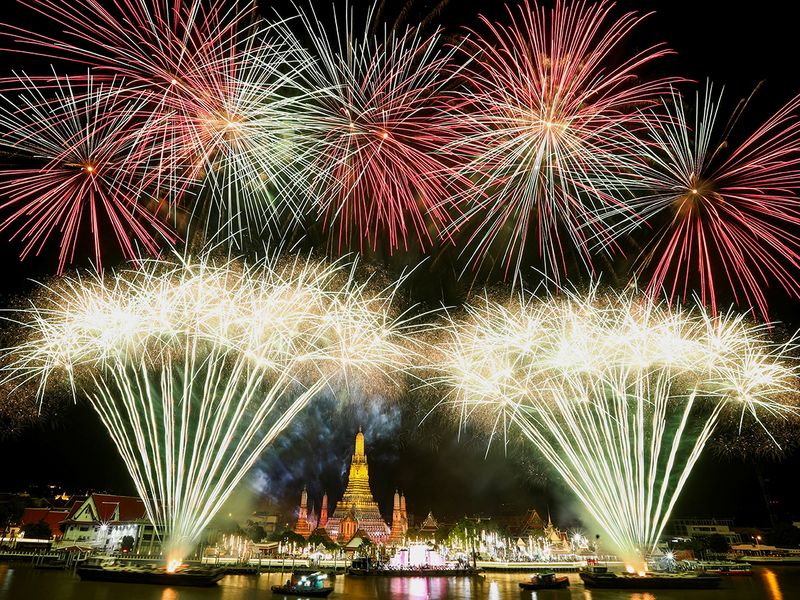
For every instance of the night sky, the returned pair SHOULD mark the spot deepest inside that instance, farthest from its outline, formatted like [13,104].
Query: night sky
[734,47]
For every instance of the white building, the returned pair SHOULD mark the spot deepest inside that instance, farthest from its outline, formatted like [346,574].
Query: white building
[694,528]
[101,521]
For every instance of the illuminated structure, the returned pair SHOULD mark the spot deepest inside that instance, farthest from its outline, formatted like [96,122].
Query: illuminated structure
[357,503]
[302,526]
[429,526]
[323,515]
[399,519]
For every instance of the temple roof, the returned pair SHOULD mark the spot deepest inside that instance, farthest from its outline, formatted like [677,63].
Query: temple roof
[357,497]
[430,523]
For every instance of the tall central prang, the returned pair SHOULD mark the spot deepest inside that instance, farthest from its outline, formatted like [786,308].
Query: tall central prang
[357,509]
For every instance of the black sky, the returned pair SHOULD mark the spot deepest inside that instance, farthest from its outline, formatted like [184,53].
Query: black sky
[735,45]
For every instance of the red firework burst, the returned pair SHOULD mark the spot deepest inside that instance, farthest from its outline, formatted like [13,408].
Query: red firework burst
[377,140]
[152,44]
[545,121]
[731,211]
[218,84]
[77,146]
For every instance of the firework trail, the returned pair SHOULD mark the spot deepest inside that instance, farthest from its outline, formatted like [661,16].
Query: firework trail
[223,88]
[195,367]
[723,214]
[76,146]
[546,126]
[620,395]
[378,132]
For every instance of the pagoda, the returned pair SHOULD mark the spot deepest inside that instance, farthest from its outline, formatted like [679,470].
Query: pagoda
[303,526]
[357,503]
[399,519]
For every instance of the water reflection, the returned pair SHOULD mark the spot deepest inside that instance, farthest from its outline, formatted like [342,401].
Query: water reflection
[169,594]
[773,587]
[21,582]
[6,575]
[418,587]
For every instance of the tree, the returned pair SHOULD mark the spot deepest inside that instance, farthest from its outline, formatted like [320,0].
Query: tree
[127,543]
[784,535]
[255,532]
[290,537]
[10,512]
[367,548]
[38,531]
[700,544]
[717,543]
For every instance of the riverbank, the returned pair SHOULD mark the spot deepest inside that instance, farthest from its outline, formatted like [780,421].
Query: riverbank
[22,582]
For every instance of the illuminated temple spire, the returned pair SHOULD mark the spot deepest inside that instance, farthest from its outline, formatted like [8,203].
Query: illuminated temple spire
[323,515]
[399,519]
[303,527]
[358,500]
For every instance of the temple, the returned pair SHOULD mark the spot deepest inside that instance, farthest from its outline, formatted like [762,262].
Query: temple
[357,511]
[303,525]
[399,519]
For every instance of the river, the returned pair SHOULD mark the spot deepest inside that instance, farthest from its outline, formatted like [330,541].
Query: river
[21,582]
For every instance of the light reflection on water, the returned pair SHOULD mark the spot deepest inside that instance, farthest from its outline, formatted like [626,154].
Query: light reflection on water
[772,584]
[21,582]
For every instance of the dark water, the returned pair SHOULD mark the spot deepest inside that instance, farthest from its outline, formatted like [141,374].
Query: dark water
[23,583]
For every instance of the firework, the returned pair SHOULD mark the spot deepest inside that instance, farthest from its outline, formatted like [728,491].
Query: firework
[546,124]
[377,133]
[220,87]
[620,395]
[195,367]
[726,211]
[228,145]
[76,146]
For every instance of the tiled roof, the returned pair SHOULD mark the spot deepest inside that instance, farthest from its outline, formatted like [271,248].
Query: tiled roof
[131,508]
[51,517]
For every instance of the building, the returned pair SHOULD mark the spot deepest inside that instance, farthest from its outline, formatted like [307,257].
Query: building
[429,527]
[357,511]
[399,519]
[52,517]
[694,528]
[102,521]
[321,529]
[303,526]
[524,525]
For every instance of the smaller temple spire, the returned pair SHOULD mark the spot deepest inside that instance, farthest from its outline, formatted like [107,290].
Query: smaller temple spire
[302,526]
[323,513]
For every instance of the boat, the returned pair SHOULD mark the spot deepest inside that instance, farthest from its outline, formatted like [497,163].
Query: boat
[545,581]
[309,586]
[183,576]
[725,568]
[601,577]
[771,559]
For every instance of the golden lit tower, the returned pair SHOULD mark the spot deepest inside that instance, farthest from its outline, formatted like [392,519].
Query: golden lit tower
[358,499]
